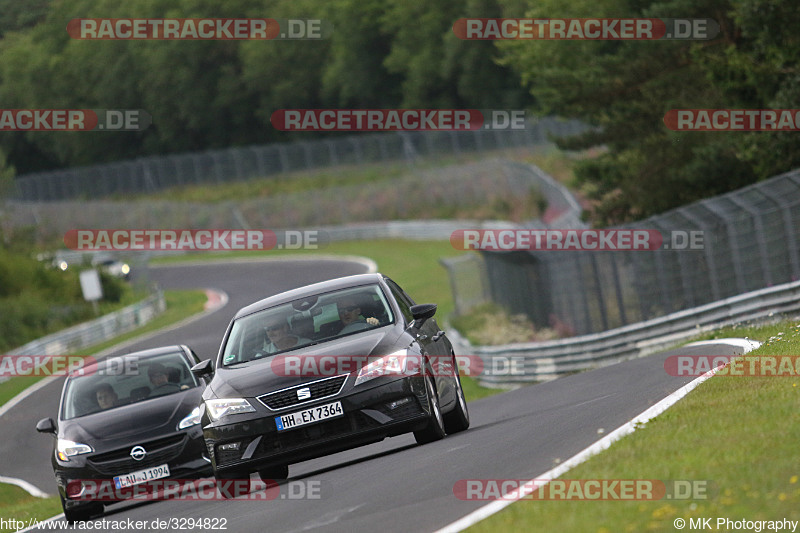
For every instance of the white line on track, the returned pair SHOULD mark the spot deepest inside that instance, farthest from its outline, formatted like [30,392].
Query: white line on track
[602,444]
[744,344]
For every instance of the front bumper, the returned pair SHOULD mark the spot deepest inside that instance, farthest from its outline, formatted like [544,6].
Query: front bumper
[183,452]
[389,408]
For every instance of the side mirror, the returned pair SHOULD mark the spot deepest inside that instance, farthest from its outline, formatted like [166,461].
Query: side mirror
[46,425]
[421,313]
[203,368]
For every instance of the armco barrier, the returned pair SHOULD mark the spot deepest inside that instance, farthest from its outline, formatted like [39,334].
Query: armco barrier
[96,331]
[417,230]
[551,359]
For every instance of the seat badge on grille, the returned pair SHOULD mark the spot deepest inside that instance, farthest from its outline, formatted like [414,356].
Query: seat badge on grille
[304,393]
[138,453]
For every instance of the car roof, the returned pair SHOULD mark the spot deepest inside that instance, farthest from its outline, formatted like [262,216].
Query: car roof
[309,290]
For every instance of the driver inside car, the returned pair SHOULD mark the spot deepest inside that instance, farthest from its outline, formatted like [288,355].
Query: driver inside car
[159,378]
[350,315]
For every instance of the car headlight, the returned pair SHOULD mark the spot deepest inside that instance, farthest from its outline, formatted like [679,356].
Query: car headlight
[399,363]
[66,449]
[191,420]
[228,406]
[125,268]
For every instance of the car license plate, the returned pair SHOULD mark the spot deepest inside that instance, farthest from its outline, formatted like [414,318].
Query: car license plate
[141,476]
[309,416]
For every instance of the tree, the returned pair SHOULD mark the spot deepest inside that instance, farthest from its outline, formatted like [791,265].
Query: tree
[626,87]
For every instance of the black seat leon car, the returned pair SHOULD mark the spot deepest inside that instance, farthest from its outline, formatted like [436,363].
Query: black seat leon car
[302,374]
[124,421]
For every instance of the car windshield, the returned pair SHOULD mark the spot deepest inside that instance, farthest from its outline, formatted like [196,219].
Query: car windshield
[125,380]
[311,320]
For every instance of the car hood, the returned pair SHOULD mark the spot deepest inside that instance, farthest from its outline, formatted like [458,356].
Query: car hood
[264,375]
[139,421]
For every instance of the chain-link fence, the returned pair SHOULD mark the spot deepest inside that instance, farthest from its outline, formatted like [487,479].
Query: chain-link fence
[476,280]
[467,190]
[151,174]
[749,241]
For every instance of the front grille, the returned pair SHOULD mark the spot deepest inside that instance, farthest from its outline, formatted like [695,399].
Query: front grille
[119,461]
[288,397]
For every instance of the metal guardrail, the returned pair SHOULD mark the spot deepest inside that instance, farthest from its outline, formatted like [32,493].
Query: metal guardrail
[550,359]
[97,330]
[418,230]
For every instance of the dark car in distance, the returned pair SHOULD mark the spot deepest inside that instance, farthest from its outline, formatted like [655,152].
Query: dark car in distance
[126,421]
[258,416]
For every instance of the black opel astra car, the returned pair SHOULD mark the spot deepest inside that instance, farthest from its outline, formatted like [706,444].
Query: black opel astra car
[126,421]
[324,368]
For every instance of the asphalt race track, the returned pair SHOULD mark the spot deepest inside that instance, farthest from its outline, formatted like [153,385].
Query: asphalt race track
[391,486]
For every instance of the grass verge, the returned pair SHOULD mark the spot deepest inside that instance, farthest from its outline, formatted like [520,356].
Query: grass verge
[16,504]
[385,172]
[736,434]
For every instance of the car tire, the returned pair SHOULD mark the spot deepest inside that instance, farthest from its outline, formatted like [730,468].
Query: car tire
[82,513]
[457,419]
[232,490]
[435,428]
[274,473]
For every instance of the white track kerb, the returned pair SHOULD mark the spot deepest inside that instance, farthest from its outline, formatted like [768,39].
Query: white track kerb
[602,444]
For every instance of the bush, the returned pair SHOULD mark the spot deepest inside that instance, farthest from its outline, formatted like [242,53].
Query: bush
[37,299]
[113,287]
[490,324]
